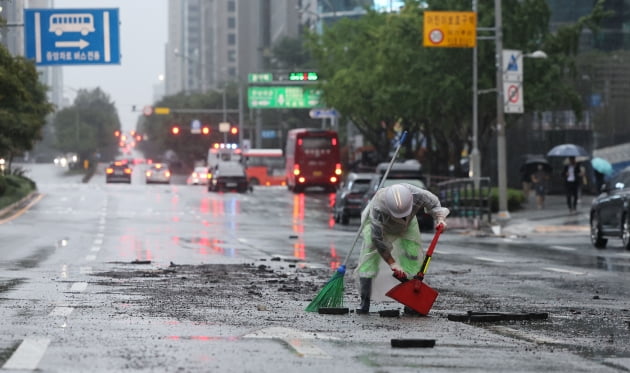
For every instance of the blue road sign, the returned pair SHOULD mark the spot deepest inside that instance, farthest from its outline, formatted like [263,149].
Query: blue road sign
[323,113]
[72,36]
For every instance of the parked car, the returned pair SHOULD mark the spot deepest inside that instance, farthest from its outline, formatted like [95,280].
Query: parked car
[199,176]
[349,196]
[118,172]
[610,211]
[158,173]
[228,176]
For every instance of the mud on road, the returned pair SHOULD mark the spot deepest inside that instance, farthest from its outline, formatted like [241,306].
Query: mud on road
[193,292]
[253,296]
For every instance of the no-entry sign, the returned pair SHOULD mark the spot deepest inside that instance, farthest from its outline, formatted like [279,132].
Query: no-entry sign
[513,97]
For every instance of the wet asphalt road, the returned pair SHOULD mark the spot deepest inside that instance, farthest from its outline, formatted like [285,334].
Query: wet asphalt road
[73,301]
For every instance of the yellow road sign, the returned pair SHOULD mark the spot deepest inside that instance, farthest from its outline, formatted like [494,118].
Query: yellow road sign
[161,111]
[450,29]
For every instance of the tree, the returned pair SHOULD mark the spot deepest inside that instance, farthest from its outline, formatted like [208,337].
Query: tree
[376,71]
[23,105]
[290,53]
[87,127]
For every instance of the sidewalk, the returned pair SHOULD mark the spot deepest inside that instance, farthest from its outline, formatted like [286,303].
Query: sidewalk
[553,218]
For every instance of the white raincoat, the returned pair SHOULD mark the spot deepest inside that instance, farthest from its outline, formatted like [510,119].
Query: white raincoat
[385,236]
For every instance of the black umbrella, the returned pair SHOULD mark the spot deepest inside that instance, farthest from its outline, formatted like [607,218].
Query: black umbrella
[531,164]
[568,150]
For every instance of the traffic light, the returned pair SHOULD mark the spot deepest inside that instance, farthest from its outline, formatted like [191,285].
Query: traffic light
[205,130]
[303,76]
[175,130]
[234,130]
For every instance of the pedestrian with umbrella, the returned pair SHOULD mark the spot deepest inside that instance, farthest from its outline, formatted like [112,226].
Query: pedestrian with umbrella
[571,173]
[601,169]
[540,180]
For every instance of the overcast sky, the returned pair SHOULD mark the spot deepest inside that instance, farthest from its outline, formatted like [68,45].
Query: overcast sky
[143,35]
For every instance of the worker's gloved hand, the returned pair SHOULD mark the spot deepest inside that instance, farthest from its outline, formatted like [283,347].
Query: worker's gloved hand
[398,271]
[440,221]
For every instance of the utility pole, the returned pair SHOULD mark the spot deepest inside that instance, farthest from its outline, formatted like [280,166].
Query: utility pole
[475,157]
[501,149]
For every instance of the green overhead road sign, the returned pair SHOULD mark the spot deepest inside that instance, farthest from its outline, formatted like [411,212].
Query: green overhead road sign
[278,97]
[259,77]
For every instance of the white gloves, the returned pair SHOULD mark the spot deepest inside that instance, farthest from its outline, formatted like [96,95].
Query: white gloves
[440,220]
[399,273]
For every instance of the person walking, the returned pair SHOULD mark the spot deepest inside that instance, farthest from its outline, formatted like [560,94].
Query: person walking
[391,233]
[572,178]
[540,178]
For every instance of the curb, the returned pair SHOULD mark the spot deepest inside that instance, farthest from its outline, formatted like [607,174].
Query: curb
[5,211]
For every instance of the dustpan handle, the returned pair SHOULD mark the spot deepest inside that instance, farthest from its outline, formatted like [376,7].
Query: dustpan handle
[427,257]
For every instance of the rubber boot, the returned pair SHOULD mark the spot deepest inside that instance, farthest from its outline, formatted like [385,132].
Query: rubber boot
[365,291]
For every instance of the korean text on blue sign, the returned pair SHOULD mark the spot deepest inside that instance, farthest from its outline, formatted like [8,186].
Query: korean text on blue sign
[72,36]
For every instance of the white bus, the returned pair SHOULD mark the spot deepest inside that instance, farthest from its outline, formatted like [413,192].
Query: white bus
[71,22]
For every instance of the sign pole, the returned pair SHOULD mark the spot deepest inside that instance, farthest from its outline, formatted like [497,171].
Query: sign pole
[501,148]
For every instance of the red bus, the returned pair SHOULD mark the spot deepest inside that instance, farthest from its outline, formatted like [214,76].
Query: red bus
[312,159]
[264,167]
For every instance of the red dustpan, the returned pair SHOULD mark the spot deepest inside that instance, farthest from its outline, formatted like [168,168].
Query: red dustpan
[414,293]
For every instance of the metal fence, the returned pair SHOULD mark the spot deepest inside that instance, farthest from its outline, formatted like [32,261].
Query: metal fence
[467,201]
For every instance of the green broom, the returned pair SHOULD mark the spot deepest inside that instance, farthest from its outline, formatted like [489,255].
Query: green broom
[331,295]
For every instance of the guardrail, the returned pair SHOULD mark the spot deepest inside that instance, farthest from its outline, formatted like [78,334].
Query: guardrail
[465,200]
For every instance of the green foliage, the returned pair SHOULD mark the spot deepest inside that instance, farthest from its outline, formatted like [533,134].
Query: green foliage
[23,105]
[515,199]
[87,127]
[290,53]
[376,72]
[13,188]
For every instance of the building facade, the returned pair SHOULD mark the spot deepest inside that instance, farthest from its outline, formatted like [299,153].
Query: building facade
[213,42]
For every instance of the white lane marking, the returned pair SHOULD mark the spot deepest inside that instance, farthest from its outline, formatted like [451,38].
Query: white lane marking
[298,340]
[61,311]
[28,354]
[485,259]
[242,240]
[563,248]
[560,270]
[90,257]
[95,248]
[78,287]
[98,241]
[100,235]
[306,348]
[85,270]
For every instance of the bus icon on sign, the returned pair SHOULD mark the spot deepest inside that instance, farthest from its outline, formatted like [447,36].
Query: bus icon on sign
[76,22]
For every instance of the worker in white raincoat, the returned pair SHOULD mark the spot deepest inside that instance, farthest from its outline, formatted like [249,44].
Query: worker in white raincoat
[390,227]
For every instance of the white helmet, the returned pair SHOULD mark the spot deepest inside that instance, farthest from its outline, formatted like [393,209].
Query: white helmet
[398,200]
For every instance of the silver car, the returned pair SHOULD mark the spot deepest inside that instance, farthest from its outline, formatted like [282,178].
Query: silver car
[158,173]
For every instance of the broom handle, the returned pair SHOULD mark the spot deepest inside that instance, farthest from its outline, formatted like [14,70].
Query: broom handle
[380,184]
